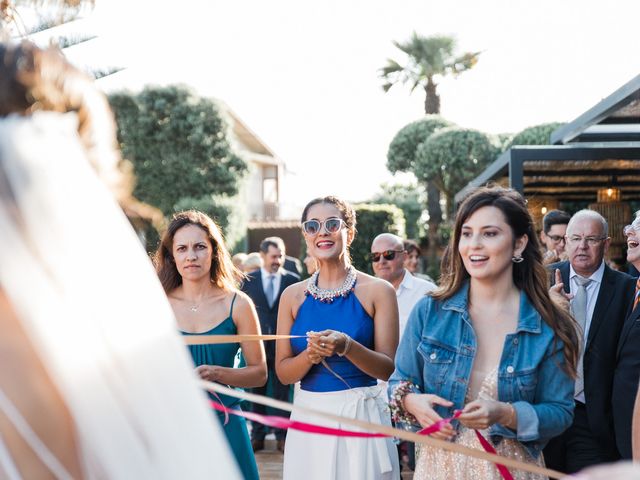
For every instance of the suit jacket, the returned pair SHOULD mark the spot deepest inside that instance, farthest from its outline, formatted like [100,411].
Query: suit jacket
[615,299]
[293,265]
[625,381]
[268,316]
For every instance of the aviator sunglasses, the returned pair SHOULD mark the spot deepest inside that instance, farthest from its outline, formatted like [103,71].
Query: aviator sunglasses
[387,254]
[331,225]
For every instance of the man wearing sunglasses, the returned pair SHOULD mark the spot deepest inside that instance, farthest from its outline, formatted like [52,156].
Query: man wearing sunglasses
[554,228]
[387,257]
[627,372]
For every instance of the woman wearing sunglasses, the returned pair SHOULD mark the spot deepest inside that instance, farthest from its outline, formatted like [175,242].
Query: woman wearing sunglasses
[350,321]
[489,342]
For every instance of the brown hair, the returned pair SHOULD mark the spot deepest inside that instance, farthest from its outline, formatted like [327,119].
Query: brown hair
[33,79]
[223,273]
[530,275]
[412,246]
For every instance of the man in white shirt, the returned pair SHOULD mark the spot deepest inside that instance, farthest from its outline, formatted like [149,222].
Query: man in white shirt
[387,257]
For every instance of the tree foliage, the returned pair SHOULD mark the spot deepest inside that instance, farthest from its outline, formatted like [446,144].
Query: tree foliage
[536,135]
[452,157]
[178,145]
[371,221]
[411,199]
[402,149]
[427,58]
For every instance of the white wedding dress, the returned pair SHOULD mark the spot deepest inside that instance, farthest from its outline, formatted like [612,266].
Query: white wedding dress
[91,304]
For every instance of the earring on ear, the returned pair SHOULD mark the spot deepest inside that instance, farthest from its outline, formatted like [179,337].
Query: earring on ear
[517,259]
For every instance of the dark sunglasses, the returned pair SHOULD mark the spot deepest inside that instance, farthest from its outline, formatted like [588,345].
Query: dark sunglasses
[387,254]
[331,225]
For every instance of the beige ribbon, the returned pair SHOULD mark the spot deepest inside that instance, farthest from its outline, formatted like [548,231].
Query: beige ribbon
[372,427]
[395,432]
[195,339]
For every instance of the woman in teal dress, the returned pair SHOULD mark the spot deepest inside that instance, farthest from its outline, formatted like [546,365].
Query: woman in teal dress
[196,271]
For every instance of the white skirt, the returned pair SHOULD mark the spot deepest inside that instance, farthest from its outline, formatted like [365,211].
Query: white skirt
[311,456]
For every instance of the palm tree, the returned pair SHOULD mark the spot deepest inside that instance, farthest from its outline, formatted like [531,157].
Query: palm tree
[428,59]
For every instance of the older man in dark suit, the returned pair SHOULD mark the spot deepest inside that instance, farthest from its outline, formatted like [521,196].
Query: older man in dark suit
[601,300]
[625,378]
[264,287]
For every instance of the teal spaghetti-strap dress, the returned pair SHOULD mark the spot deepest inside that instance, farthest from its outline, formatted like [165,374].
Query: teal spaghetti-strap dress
[236,428]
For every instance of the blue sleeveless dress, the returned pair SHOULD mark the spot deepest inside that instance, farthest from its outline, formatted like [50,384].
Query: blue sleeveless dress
[354,395]
[236,429]
[344,314]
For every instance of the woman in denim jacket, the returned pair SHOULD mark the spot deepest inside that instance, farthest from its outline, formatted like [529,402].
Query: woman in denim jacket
[489,342]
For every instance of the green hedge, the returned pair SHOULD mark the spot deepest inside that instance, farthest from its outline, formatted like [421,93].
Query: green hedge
[536,135]
[373,220]
[402,149]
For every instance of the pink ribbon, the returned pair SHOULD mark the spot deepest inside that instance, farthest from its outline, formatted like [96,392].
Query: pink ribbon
[504,471]
[282,422]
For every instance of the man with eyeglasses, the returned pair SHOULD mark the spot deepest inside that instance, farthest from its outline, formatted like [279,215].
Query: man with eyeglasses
[627,372]
[554,228]
[600,300]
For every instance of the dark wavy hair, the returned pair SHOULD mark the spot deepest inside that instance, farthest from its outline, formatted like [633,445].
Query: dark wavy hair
[530,275]
[223,273]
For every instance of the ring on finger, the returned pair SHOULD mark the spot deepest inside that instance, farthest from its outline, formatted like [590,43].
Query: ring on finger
[322,344]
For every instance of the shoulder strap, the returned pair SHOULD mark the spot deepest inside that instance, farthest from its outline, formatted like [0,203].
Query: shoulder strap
[233,300]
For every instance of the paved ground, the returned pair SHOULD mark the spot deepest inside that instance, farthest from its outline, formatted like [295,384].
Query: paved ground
[270,463]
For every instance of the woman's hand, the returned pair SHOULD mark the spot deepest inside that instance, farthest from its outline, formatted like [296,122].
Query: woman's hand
[421,407]
[481,414]
[557,293]
[313,357]
[208,372]
[326,343]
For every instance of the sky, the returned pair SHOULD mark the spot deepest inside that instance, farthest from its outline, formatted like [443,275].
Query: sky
[304,75]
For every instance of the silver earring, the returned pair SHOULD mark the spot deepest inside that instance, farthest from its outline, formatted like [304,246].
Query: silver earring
[517,259]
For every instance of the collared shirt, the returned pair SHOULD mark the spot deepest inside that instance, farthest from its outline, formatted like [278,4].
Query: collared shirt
[408,293]
[593,289]
[592,292]
[276,281]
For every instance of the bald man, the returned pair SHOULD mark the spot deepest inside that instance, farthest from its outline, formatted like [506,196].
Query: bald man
[387,257]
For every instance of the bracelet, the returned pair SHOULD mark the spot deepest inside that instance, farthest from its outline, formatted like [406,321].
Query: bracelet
[396,403]
[347,345]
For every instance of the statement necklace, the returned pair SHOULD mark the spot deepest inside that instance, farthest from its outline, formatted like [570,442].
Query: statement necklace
[329,295]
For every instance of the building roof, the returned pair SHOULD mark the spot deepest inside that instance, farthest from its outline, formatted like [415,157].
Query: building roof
[599,149]
[617,111]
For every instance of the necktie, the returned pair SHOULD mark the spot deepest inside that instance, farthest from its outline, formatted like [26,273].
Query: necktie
[579,309]
[271,290]
[636,296]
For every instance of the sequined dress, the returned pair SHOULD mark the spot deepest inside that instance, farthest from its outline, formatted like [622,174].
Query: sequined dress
[437,464]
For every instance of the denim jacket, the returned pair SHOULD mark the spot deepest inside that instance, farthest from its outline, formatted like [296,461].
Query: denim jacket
[436,354]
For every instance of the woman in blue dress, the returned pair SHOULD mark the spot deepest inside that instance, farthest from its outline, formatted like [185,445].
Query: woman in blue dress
[350,320]
[196,271]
